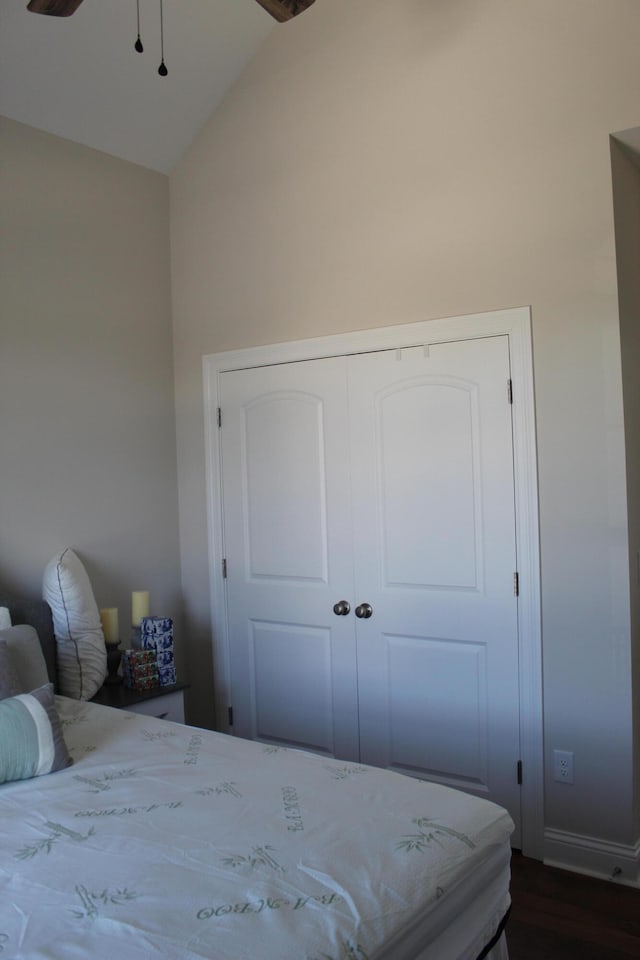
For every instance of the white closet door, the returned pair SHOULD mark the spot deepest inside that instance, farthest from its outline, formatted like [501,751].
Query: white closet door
[287,531]
[434,535]
[383,479]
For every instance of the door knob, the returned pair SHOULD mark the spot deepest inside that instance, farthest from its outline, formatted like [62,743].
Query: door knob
[341,609]
[364,611]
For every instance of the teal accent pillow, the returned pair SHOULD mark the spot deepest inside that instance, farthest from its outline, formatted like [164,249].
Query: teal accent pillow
[31,741]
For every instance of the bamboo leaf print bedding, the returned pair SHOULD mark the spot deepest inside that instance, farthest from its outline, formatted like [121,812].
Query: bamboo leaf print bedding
[165,841]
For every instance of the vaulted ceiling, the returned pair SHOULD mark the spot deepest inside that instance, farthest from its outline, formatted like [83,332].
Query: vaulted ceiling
[80,77]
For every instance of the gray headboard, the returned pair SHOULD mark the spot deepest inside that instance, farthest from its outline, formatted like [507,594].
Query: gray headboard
[37,613]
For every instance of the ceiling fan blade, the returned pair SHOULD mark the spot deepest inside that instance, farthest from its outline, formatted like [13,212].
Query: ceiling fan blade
[285,9]
[54,8]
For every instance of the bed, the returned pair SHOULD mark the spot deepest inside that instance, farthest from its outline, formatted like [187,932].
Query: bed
[168,841]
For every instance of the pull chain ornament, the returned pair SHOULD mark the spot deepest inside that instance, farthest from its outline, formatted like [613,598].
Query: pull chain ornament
[162,70]
[138,44]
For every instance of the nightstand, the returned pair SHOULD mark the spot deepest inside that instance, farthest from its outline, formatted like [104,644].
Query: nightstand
[165,703]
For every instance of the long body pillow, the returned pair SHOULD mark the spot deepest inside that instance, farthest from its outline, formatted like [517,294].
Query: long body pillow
[81,652]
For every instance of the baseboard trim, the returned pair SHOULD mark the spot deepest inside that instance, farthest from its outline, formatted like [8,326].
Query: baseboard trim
[617,862]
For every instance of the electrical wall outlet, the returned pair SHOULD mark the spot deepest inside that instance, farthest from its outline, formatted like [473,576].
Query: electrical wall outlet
[563,766]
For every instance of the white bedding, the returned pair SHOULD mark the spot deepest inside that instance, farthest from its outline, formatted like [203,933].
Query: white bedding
[166,841]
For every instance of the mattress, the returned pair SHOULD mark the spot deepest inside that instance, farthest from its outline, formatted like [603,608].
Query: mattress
[167,841]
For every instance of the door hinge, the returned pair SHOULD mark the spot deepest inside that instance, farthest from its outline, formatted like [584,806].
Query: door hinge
[224,568]
[509,391]
[519,774]
[230,714]
[516,584]
[219,416]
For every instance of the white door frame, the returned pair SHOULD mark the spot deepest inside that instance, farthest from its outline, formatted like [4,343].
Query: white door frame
[516,324]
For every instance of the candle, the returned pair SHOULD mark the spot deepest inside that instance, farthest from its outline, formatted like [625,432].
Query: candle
[109,619]
[139,606]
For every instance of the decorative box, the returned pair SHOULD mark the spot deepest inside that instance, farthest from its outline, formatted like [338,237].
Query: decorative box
[140,669]
[156,633]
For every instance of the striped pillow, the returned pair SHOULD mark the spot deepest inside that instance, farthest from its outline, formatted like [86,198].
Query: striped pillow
[31,741]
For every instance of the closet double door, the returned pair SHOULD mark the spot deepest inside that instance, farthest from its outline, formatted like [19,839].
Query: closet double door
[369,536]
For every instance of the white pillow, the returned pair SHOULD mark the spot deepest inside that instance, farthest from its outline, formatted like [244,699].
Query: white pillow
[81,652]
[5,618]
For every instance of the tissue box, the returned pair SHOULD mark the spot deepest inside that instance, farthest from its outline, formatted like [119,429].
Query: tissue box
[140,669]
[156,633]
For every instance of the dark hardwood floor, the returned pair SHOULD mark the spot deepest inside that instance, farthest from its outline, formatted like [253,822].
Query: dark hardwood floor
[558,915]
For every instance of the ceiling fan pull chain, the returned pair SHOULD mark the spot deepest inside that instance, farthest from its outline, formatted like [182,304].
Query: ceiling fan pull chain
[162,70]
[138,43]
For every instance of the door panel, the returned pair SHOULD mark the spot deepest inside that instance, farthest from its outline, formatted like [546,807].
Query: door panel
[425,676]
[285,497]
[430,505]
[434,555]
[283,657]
[288,550]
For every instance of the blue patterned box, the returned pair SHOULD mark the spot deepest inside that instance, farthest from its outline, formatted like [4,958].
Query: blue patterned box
[166,667]
[156,633]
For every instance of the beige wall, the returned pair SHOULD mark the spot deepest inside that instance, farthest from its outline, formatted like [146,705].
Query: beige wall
[86,379]
[382,163]
[626,183]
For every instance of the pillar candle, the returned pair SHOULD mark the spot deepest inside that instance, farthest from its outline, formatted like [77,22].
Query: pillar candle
[139,606]
[109,618]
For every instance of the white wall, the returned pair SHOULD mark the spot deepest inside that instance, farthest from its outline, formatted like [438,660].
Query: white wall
[87,423]
[382,163]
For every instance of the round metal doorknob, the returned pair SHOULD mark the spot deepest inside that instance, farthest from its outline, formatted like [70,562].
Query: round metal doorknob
[341,609]
[364,611]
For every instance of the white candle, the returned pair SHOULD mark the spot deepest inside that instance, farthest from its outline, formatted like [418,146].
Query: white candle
[139,606]
[109,619]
